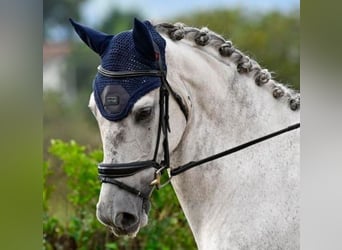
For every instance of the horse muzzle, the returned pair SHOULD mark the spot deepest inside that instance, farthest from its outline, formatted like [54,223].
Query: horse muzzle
[126,224]
[123,216]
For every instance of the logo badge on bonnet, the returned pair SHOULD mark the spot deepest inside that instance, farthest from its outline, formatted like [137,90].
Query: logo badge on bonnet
[112,100]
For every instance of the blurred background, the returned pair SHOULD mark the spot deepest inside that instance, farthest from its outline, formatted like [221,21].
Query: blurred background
[267,30]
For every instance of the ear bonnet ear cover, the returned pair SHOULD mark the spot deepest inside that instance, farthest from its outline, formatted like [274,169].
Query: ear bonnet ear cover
[127,51]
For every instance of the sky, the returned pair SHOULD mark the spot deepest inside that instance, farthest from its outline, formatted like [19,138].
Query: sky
[94,11]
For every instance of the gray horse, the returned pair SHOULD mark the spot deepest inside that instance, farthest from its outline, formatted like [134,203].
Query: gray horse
[219,98]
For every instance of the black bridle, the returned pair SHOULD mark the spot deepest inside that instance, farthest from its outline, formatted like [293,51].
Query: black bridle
[108,172]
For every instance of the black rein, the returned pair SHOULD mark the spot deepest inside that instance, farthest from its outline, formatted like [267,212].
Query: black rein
[185,167]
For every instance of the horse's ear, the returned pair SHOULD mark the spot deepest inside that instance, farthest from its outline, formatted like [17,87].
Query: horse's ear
[96,40]
[143,40]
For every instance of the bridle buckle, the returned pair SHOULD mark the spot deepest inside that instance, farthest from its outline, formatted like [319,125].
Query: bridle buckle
[157,179]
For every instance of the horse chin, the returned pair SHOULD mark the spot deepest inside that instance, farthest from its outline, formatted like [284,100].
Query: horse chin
[120,233]
[143,220]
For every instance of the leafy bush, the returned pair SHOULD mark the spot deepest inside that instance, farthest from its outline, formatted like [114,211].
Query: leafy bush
[167,227]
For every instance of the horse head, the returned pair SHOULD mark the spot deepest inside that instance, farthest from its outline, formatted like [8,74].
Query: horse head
[127,110]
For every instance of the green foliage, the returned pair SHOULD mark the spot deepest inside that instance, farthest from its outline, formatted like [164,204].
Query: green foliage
[118,21]
[47,188]
[79,168]
[167,227]
[81,228]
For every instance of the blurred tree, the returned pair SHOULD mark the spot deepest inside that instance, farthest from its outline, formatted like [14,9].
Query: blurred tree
[119,21]
[56,14]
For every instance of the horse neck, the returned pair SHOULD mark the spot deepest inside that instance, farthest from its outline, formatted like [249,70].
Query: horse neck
[228,108]
[224,103]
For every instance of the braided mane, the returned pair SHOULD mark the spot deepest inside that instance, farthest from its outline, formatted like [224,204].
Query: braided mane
[225,48]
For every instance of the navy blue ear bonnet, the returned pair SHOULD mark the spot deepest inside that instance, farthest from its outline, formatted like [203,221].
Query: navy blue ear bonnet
[139,49]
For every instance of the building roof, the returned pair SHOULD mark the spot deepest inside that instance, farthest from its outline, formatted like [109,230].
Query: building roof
[55,50]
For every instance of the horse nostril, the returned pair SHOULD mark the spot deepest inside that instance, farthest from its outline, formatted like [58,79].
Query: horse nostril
[126,220]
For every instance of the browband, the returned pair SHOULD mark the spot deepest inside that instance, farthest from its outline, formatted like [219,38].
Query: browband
[126,74]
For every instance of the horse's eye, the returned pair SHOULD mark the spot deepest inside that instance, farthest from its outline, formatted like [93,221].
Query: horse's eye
[143,114]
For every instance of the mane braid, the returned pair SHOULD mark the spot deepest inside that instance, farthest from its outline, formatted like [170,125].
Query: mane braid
[225,48]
